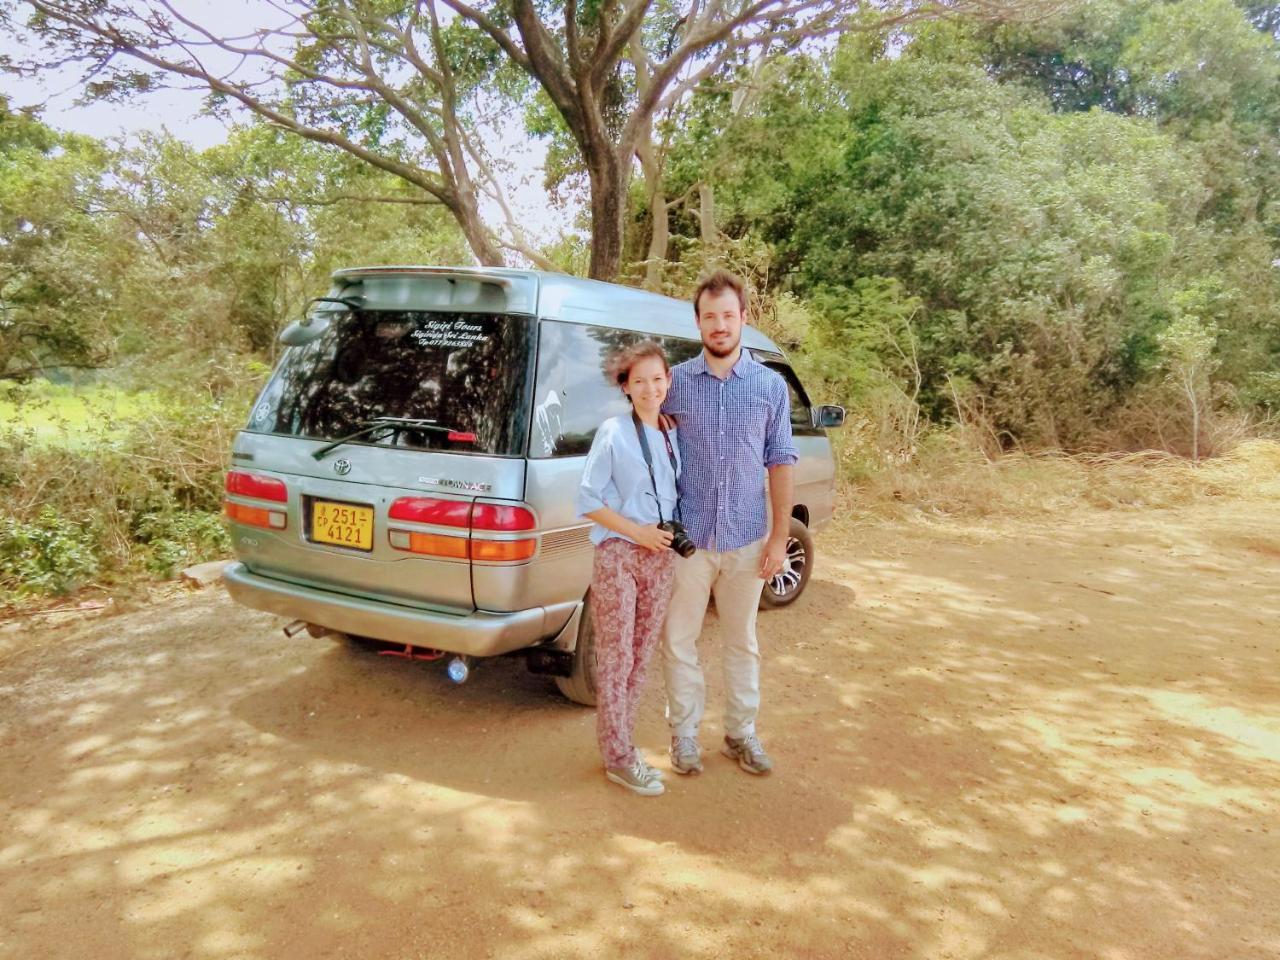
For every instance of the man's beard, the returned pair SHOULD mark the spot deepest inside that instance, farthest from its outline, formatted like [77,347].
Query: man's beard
[722,352]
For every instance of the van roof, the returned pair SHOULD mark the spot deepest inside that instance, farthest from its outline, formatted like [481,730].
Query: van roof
[559,296]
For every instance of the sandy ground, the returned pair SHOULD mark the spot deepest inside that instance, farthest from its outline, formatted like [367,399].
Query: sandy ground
[1036,741]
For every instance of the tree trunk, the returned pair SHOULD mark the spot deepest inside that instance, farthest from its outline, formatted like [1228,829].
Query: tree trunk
[467,212]
[1193,398]
[660,234]
[658,239]
[608,204]
[707,216]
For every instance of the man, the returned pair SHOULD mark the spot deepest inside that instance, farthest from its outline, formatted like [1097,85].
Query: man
[734,424]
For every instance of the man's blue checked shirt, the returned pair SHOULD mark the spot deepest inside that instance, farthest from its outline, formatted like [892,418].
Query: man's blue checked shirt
[730,432]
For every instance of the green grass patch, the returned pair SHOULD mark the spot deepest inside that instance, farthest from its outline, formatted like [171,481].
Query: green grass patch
[63,414]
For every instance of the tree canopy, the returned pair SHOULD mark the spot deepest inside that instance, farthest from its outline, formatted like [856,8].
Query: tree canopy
[1031,224]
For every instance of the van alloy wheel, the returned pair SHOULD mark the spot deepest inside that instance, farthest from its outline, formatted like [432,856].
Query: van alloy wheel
[785,587]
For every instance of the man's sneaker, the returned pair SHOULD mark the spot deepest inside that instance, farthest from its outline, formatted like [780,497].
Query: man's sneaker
[635,778]
[685,755]
[749,752]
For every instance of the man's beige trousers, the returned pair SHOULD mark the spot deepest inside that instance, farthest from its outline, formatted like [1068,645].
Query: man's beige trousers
[733,577]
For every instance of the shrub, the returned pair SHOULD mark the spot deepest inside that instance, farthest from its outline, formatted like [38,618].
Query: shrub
[119,497]
[176,540]
[49,555]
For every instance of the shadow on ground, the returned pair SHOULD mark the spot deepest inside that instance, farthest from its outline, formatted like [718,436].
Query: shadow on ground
[1043,743]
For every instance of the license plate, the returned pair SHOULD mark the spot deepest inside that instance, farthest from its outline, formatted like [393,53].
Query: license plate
[342,524]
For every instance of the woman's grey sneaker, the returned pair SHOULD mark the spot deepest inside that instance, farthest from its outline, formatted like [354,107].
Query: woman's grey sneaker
[650,771]
[749,752]
[635,777]
[685,755]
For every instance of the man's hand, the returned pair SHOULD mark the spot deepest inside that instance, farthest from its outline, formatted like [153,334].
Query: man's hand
[775,552]
[651,538]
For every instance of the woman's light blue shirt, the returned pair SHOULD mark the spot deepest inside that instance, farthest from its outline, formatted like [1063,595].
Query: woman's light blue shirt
[615,476]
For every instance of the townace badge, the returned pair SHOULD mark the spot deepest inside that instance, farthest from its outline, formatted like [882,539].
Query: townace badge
[473,485]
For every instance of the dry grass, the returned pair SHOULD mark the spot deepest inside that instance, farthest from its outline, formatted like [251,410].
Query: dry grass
[949,478]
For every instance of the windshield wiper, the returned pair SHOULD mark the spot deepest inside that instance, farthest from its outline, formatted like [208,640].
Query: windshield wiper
[378,424]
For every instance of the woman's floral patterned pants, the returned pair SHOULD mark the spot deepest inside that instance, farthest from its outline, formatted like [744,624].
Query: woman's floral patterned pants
[630,590]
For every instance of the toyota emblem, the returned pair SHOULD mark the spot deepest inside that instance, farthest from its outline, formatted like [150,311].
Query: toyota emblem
[342,467]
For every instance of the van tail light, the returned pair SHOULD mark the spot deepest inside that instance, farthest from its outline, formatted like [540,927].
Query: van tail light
[258,487]
[430,544]
[255,516]
[243,484]
[509,550]
[445,513]
[468,517]
[495,516]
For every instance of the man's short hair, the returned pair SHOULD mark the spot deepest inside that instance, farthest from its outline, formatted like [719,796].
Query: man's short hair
[717,282]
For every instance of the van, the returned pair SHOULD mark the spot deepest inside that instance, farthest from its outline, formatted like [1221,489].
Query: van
[408,473]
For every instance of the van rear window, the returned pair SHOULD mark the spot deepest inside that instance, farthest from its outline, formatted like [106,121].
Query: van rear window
[466,373]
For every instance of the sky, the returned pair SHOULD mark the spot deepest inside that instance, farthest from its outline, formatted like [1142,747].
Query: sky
[180,112]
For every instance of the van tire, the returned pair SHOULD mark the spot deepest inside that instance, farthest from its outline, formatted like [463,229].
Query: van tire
[795,576]
[580,685]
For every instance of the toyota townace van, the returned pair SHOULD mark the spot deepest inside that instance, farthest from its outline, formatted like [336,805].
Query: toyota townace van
[408,473]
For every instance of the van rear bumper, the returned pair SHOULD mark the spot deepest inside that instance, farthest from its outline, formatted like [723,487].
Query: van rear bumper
[478,634]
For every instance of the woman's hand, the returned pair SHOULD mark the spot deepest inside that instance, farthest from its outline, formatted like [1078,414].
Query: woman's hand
[651,538]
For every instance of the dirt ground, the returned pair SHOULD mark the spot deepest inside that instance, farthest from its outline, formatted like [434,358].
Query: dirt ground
[1040,740]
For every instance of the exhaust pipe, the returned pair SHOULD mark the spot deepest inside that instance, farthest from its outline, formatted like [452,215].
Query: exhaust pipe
[459,669]
[313,629]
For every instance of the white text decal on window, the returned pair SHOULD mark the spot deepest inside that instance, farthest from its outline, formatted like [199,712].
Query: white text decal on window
[454,334]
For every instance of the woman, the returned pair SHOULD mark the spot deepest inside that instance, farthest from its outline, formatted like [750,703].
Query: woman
[626,498]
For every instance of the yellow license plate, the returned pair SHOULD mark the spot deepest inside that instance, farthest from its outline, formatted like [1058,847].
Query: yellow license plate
[342,524]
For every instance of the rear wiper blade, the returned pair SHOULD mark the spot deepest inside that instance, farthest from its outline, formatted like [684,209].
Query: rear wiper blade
[378,424]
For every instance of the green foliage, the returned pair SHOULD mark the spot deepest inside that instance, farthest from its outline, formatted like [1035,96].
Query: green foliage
[124,496]
[53,312]
[176,540]
[48,555]
[1039,255]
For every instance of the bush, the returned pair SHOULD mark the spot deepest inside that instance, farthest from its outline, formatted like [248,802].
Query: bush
[177,540]
[50,555]
[116,498]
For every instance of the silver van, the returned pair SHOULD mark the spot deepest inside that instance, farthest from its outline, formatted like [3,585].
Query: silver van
[408,473]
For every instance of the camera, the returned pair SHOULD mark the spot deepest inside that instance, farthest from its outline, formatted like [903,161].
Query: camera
[680,541]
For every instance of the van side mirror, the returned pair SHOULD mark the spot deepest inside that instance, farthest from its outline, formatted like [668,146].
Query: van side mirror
[828,415]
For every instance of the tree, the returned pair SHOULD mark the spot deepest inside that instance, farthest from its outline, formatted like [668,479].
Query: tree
[1199,68]
[1042,253]
[1187,346]
[388,83]
[53,312]
[403,88]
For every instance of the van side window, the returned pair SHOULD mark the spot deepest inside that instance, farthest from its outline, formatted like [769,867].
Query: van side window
[572,395]
[801,417]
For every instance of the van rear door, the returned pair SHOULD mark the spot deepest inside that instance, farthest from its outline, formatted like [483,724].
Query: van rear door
[386,426]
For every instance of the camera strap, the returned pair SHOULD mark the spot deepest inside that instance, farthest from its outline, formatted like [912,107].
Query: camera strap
[648,459]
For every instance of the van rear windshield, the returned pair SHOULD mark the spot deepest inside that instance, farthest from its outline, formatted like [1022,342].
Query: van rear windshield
[465,372]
